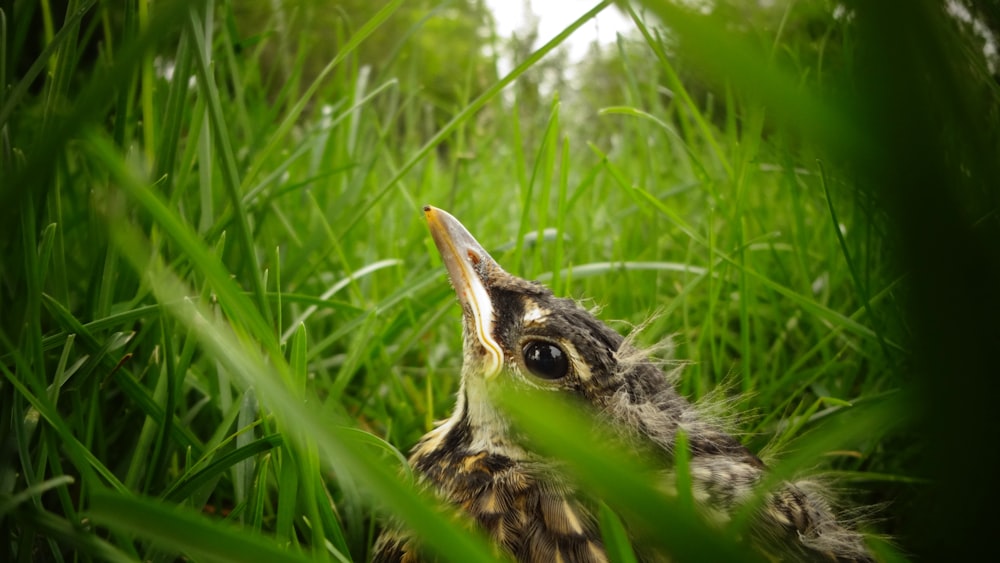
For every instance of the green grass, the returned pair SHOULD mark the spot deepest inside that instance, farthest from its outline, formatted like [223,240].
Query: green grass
[224,322]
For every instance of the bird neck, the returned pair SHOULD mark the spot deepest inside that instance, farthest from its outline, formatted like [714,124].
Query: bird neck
[475,427]
[488,429]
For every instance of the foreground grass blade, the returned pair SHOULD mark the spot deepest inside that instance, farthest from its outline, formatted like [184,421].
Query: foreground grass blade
[621,480]
[272,378]
[189,532]
[747,69]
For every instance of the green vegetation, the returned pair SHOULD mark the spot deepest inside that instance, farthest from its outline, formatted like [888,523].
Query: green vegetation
[224,323]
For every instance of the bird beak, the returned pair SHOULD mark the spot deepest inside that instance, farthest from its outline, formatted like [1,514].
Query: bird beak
[468,267]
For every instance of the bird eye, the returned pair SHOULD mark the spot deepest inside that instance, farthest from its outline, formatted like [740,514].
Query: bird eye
[545,360]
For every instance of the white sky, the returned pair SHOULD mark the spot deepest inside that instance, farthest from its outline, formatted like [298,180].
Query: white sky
[554,16]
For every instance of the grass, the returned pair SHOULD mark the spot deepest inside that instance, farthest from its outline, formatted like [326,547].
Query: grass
[224,322]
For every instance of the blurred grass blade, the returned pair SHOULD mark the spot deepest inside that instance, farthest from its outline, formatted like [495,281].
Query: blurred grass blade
[860,422]
[727,59]
[181,529]
[583,271]
[11,502]
[272,378]
[621,480]
[616,541]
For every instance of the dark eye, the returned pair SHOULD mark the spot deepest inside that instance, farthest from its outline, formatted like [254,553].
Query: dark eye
[545,360]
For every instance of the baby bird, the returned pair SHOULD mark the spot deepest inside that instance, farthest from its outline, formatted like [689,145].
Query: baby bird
[513,328]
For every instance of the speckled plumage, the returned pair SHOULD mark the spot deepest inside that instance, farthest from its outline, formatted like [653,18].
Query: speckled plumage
[475,462]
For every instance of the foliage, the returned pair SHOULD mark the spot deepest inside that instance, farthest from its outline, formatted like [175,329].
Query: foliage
[432,48]
[223,320]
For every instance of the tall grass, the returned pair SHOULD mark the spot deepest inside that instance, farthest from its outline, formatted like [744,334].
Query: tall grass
[224,322]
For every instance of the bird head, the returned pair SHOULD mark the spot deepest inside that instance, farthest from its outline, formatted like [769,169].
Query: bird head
[516,332]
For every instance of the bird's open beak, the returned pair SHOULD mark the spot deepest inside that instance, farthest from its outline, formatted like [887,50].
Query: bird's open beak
[468,267]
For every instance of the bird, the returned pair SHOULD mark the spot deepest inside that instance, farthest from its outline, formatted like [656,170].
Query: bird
[475,461]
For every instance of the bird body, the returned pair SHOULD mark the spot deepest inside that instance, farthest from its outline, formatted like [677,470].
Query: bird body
[518,331]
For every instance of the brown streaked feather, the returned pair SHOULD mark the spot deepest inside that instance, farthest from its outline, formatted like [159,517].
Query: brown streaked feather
[519,508]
